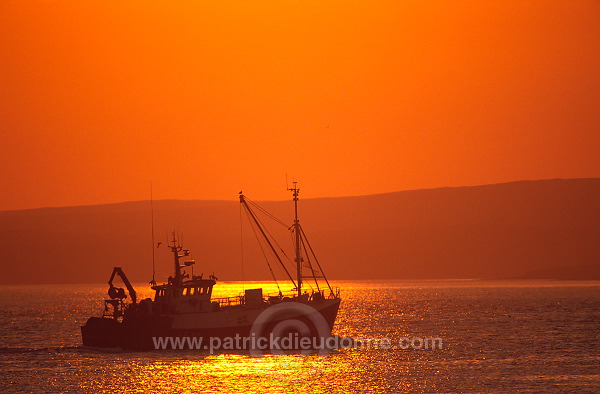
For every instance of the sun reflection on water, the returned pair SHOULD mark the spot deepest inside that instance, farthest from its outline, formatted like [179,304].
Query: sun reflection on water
[234,373]
[337,371]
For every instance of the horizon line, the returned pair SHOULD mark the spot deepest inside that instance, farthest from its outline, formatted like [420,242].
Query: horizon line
[310,198]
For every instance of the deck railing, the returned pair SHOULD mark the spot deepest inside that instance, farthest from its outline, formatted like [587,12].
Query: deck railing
[273,298]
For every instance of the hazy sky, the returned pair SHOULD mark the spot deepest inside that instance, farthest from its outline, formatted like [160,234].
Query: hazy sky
[205,98]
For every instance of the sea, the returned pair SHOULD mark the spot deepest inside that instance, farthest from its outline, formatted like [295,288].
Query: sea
[496,336]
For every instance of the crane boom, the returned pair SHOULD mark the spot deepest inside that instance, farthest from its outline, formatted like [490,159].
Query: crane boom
[115,292]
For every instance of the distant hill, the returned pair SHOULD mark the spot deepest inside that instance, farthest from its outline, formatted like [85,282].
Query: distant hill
[526,229]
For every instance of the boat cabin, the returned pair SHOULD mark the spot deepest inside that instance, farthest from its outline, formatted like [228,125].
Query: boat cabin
[191,296]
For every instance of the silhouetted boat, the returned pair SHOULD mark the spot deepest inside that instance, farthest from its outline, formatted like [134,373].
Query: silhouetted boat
[183,306]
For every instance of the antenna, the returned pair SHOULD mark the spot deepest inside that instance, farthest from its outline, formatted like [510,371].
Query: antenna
[152,228]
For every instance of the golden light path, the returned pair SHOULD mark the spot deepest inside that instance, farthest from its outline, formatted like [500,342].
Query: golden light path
[236,373]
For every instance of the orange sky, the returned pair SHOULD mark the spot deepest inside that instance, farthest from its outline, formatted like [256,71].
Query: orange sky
[206,98]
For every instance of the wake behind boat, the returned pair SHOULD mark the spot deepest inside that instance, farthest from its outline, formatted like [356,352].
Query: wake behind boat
[183,306]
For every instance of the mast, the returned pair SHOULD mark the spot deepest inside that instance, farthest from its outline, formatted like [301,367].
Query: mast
[296,226]
[175,248]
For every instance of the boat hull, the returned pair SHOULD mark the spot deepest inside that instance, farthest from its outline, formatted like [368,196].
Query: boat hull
[139,331]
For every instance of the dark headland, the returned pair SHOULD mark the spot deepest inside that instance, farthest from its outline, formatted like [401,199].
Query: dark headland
[547,229]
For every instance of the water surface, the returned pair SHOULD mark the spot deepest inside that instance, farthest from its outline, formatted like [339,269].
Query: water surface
[497,336]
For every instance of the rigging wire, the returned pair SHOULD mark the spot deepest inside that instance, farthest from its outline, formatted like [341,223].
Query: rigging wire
[272,238]
[316,260]
[269,239]
[152,229]
[264,255]
[267,213]
[275,219]
[312,270]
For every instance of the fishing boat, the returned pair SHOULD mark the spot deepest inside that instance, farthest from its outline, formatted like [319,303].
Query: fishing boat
[183,307]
